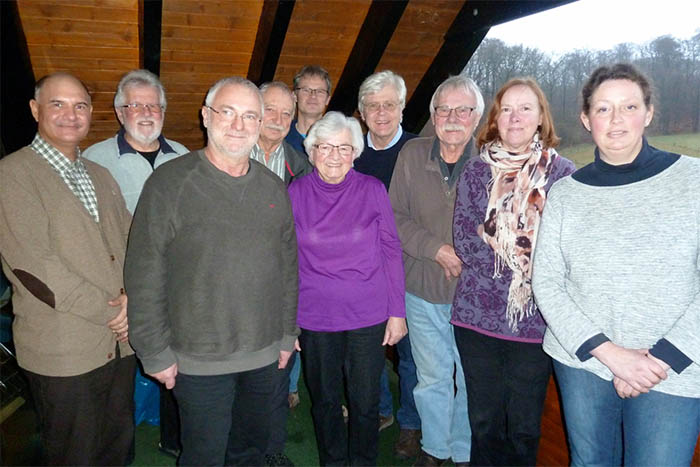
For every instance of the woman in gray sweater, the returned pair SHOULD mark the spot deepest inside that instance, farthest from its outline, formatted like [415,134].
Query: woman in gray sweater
[617,279]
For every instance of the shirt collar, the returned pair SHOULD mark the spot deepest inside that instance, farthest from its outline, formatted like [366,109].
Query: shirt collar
[393,141]
[260,154]
[53,156]
[126,148]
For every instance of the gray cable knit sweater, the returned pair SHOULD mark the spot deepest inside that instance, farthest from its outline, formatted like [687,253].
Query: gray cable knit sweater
[623,261]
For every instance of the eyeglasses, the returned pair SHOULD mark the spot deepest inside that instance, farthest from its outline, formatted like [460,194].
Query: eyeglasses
[229,115]
[463,111]
[373,107]
[325,149]
[140,108]
[313,92]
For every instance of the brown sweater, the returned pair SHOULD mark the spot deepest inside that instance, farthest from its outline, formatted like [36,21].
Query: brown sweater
[423,203]
[63,266]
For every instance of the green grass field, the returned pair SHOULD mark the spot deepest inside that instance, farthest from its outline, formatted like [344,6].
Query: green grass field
[687,143]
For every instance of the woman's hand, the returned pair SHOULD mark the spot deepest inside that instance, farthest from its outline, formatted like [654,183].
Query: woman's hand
[395,330]
[623,389]
[632,366]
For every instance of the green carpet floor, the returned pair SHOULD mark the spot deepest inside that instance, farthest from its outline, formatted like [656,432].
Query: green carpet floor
[301,443]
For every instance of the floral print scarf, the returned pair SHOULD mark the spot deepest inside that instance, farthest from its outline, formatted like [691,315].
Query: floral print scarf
[516,200]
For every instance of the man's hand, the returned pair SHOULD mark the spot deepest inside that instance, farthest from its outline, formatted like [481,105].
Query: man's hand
[120,323]
[395,330]
[285,355]
[447,258]
[166,376]
[632,366]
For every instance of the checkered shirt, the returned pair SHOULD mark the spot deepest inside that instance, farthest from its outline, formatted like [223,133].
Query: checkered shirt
[74,174]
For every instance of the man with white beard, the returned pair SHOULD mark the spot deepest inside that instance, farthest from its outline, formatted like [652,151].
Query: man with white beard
[131,156]
[138,148]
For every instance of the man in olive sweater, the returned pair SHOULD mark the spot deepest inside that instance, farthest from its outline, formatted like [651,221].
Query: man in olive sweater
[211,273]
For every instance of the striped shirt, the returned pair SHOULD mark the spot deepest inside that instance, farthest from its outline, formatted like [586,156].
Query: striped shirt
[276,162]
[73,173]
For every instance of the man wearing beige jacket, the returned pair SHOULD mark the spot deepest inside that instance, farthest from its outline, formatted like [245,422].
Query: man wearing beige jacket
[63,233]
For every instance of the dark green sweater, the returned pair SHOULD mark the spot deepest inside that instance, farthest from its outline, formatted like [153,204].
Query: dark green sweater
[211,269]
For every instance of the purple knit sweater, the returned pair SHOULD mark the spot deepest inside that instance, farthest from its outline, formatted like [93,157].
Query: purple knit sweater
[480,300]
[350,266]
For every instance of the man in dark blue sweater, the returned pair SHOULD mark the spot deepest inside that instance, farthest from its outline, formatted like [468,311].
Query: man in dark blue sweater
[381,101]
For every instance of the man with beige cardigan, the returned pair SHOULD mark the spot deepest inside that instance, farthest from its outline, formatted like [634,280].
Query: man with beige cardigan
[62,239]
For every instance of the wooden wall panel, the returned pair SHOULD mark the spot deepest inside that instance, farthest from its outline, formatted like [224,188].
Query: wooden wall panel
[97,40]
[321,32]
[417,39]
[202,42]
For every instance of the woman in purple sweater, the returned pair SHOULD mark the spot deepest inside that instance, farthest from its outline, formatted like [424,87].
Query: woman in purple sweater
[351,289]
[498,329]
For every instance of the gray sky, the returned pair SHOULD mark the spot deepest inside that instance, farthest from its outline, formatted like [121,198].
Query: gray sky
[601,24]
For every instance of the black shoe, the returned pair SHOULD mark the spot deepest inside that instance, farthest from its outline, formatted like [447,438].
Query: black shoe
[278,460]
[172,452]
[426,460]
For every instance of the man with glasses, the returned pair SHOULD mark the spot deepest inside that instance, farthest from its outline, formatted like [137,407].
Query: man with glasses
[381,101]
[211,273]
[138,147]
[131,156]
[312,89]
[63,237]
[422,193]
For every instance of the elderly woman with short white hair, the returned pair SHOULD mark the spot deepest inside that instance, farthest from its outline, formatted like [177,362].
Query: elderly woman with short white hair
[351,289]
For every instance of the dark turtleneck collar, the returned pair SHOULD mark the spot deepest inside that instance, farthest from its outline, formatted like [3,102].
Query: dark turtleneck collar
[649,162]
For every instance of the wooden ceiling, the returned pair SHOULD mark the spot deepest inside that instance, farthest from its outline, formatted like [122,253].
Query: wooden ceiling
[191,44]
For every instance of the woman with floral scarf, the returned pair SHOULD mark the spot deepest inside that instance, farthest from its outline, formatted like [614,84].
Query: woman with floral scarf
[498,328]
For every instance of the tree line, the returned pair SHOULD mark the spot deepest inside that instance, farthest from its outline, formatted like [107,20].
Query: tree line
[673,65]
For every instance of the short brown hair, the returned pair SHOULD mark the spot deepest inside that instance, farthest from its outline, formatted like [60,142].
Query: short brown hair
[548,135]
[616,71]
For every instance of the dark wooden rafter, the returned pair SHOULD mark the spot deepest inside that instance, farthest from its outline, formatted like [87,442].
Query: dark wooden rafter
[379,25]
[464,36]
[17,84]
[272,29]
[150,26]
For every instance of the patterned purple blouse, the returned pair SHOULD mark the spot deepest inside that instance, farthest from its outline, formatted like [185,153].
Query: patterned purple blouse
[480,300]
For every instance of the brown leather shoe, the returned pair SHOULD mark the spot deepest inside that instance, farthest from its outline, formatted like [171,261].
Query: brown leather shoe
[408,444]
[461,464]
[426,460]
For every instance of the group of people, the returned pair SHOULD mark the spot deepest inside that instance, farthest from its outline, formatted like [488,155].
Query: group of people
[484,258]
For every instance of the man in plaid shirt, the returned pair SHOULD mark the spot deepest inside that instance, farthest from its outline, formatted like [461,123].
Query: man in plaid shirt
[63,239]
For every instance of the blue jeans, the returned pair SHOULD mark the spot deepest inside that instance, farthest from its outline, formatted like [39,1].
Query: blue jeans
[294,376]
[358,357]
[443,414]
[657,428]
[407,415]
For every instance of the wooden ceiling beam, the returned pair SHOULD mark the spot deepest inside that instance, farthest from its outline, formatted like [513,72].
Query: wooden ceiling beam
[17,84]
[379,25]
[150,28]
[468,29]
[272,30]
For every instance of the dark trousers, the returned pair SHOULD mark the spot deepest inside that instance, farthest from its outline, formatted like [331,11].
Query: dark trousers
[169,420]
[506,386]
[224,419]
[359,356]
[280,409]
[87,419]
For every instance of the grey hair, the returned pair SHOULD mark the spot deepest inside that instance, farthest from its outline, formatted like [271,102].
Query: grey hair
[57,74]
[335,122]
[138,78]
[282,87]
[233,81]
[461,82]
[313,70]
[378,81]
